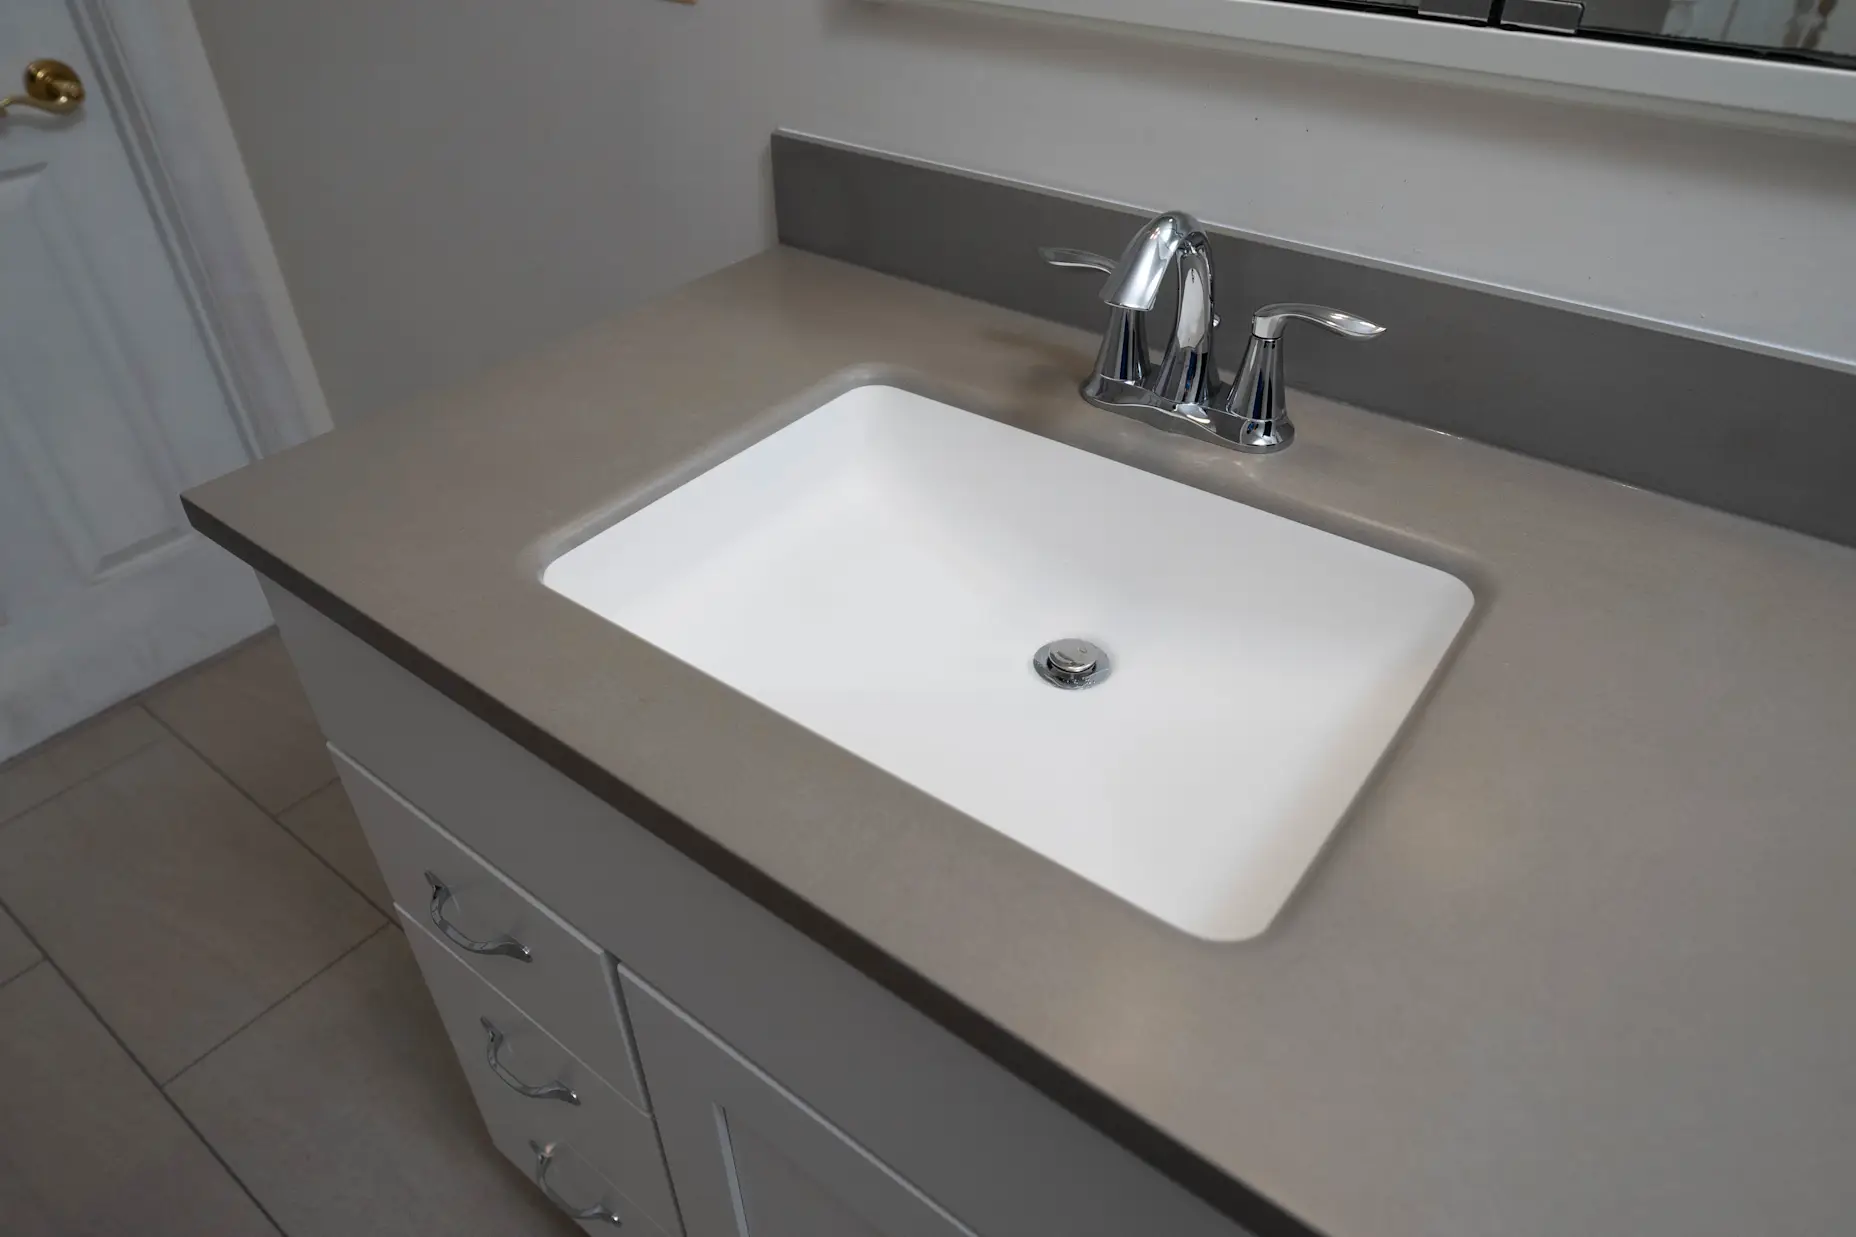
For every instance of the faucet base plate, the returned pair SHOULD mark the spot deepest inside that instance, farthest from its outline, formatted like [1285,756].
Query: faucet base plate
[1248,437]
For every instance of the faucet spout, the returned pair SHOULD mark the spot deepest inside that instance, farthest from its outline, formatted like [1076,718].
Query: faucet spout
[1172,240]
[1135,281]
[1187,374]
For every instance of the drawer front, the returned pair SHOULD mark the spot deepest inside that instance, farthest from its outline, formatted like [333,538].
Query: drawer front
[604,1150]
[566,981]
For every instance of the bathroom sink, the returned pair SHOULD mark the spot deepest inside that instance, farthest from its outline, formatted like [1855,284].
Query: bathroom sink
[888,571]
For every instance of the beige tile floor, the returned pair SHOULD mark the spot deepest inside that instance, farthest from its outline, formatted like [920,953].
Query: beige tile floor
[211,1025]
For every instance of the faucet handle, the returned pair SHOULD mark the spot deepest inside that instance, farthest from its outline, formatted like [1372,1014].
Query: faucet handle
[1251,415]
[1269,321]
[1077,259]
[1122,361]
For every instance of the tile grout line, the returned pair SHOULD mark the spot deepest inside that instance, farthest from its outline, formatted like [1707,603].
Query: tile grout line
[205,663]
[45,959]
[88,778]
[30,967]
[138,700]
[273,817]
[246,1025]
[300,800]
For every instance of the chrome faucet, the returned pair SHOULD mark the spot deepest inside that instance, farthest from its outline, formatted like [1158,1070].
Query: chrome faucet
[1185,391]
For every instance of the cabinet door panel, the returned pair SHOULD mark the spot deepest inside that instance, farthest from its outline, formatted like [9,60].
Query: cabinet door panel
[749,1159]
[778,1197]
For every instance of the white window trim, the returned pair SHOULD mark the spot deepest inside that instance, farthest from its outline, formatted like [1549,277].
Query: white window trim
[1737,89]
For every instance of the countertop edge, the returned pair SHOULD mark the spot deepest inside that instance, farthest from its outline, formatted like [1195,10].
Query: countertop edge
[1213,1185]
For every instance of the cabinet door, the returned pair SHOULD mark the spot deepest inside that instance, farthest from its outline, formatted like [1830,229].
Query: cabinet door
[750,1159]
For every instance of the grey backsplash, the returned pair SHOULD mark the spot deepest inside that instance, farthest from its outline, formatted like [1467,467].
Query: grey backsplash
[1745,432]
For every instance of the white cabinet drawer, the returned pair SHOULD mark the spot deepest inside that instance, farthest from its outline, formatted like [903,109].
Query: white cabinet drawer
[535,1094]
[564,980]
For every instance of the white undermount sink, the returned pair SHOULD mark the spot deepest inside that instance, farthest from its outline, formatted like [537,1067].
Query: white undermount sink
[883,570]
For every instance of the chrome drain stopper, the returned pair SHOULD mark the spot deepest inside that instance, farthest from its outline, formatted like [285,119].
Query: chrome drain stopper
[1071,663]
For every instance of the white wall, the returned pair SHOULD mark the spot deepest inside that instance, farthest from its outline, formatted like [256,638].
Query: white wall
[449,182]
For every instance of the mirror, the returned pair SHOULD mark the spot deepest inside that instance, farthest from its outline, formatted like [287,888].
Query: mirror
[1780,63]
[1821,31]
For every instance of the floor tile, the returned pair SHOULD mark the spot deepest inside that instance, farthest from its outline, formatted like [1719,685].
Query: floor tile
[16,952]
[246,713]
[63,761]
[345,1112]
[326,823]
[174,905]
[87,1144]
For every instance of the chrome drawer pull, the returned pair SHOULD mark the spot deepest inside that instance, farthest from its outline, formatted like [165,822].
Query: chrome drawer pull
[503,946]
[546,1091]
[544,1159]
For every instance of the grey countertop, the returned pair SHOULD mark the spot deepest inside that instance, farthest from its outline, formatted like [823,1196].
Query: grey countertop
[1581,960]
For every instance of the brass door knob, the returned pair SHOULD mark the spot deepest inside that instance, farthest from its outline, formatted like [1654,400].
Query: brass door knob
[51,86]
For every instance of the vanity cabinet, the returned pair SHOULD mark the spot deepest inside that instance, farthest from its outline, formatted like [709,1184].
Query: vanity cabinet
[734,1077]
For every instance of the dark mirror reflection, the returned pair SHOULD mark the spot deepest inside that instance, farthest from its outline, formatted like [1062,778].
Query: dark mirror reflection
[1821,30]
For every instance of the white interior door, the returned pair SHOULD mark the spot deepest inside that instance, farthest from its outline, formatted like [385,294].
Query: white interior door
[110,405]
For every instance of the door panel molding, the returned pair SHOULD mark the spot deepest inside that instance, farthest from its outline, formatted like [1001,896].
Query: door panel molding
[173,606]
[151,67]
[96,456]
[146,345]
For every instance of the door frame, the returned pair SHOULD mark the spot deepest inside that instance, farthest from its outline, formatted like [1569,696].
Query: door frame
[149,64]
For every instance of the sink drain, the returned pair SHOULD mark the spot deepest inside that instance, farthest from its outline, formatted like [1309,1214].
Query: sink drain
[1071,663]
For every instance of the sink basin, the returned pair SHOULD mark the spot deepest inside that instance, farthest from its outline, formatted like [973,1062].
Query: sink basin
[884,569]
